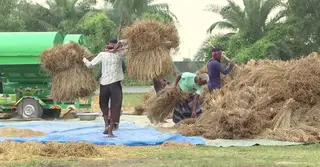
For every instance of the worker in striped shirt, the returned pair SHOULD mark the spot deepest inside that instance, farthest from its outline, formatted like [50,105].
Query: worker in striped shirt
[110,83]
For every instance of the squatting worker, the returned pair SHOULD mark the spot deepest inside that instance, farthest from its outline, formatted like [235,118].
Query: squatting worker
[110,83]
[215,68]
[193,84]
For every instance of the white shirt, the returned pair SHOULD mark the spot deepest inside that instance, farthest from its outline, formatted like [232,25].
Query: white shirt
[111,66]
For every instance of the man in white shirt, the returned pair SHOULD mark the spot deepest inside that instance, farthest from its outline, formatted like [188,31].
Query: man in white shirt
[110,83]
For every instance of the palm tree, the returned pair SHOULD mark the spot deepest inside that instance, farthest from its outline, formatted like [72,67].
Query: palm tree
[64,13]
[129,10]
[251,21]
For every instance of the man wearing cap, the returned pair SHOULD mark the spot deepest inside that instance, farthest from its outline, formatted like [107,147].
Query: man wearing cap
[215,68]
[110,83]
[192,84]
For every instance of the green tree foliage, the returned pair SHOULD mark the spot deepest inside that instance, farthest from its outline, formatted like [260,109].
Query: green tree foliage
[9,16]
[156,16]
[62,15]
[186,59]
[293,32]
[129,10]
[304,16]
[250,21]
[204,52]
[98,29]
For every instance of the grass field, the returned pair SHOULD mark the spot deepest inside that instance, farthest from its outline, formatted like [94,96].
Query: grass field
[131,100]
[184,156]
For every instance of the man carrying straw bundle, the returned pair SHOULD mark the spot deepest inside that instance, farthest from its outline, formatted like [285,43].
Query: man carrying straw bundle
[193,84]
[110,83]
[215,68]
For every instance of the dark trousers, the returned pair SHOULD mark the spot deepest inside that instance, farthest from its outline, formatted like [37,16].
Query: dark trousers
[114,92]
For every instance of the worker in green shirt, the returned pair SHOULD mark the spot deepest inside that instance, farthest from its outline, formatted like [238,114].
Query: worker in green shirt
[192,84]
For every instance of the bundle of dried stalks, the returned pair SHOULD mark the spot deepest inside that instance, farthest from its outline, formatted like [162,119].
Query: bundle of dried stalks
[146,35]
[146,65]
[72,84]
[149,43]
[265,99]
[159,107]
[63,57]
[71,79]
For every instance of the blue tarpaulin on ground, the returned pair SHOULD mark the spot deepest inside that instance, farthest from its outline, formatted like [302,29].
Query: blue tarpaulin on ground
[128,134]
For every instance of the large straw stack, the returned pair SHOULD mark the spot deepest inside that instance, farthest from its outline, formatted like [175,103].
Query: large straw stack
[266,99]
[71,79]
[149,44]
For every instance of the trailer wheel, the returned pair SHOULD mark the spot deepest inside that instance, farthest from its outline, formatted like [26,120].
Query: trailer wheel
[30,108]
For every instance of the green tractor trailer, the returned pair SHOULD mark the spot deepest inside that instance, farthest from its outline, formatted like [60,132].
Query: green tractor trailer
[24,87]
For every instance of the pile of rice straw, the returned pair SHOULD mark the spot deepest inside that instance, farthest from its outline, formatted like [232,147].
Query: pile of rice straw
[161,106]
[139,110]
[17,132]
[28,151]
[71,79]
[16,150]
[265,99]
[149,44]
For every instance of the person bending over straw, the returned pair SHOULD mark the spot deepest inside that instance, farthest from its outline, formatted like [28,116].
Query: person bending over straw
[193,84]
[110,83]
[215,68]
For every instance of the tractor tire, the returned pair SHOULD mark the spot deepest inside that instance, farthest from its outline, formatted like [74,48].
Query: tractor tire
[29,108]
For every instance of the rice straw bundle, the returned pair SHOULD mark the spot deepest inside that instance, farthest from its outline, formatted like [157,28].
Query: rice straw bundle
[159,107]
[71,79]
[266,99]
[63,57]
[149,43]
[146,65]
[72,84]
[146,35]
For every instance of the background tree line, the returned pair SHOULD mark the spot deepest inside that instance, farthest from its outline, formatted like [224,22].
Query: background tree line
[79,16]
[272,29]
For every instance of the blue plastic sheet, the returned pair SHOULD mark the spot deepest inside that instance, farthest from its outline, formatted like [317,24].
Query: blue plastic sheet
[128,134]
